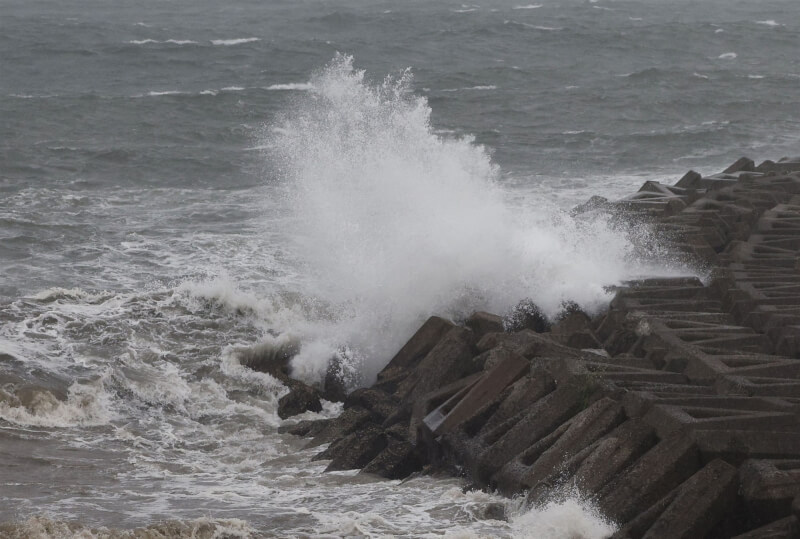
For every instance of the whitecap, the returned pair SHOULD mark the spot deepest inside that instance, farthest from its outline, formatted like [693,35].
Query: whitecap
[470,88]
[699,76]
[718,31]
[236,41]
[769,22]
[291,86]
[727,56]
[142,41]
[529,6]
[166,92]
[181,41]
[755,76]
[233,89]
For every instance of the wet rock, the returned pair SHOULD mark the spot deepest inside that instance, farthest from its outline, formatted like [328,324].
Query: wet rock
[482,323]
[270,357]
[397,461]
[527,315]
[301,398]
[595,203]
[573,328]
[334,387]
[355,450]
[378,402]
[493,511]
[306,428]
[349,421]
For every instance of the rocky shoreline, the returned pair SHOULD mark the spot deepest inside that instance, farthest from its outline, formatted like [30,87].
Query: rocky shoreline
[677,411]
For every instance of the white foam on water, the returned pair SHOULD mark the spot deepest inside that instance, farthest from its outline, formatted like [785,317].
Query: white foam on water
[393,222]
[166,92]
[236,41]
[42,527]
[571,518]
[471,88]
[728,56]
[304,86]
[755,76]
[170,41]
[528,6]
[87,405]
[769,22]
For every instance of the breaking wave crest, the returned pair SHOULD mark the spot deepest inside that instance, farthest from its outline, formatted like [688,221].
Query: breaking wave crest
[393,222]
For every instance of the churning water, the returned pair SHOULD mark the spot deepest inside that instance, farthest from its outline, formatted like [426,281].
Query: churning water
[186,181]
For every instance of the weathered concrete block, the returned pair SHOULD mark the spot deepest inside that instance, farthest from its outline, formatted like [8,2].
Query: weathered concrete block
[355,450]
[349,421]
[453,413]
[613,453]
[397,461]
[378,402]
[583,430]
[690,180]
[785,528]
[449,360]
[482,323]
[701,502]
[743,164]
[519,433]
[769,487]
[660,470]
[416,348]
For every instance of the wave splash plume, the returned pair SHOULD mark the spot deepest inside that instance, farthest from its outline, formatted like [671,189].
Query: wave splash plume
[393,223]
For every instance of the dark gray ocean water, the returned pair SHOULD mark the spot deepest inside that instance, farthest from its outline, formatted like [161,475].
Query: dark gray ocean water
[183,180]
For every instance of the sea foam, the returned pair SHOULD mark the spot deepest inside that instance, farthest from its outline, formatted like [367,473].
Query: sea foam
[237,41]
[394,222]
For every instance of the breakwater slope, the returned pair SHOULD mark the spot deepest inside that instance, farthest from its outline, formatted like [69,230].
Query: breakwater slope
[676,412]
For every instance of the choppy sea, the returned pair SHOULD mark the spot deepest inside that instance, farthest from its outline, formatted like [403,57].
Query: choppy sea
[182,181]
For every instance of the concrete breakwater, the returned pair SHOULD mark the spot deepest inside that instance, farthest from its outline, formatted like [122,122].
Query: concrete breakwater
[677,411]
